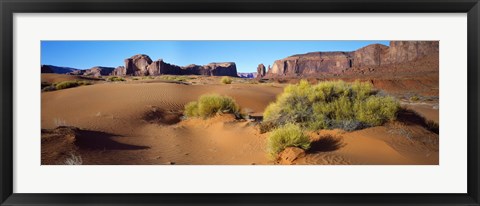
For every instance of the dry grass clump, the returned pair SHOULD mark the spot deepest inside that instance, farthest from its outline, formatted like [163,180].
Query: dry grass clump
[64,85]
[289,135]
[330,104]
[175,78]
[226,80]
[115,79]
[211,104]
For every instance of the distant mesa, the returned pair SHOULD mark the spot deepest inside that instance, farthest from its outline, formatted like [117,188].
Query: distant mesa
[142,65]
[248,75]
[374,55]
[94,71]
[56,69]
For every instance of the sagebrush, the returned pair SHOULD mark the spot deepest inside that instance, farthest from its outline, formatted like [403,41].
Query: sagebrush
[289,135]
[211,104]
[115,79]
[330,104]
[226,80]
[69,84]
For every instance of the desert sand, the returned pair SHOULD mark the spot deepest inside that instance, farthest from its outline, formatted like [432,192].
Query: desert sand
[140,122]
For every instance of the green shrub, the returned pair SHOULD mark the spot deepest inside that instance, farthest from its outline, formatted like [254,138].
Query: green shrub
[210,105]
[115,79]
[70,84]
[414,98]
[331,104]
[226,80]
[191,109]
[376,110]
[175,78]
[66,84]
[289,135]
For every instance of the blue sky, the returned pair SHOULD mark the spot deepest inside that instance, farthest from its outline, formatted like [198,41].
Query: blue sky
[246,54]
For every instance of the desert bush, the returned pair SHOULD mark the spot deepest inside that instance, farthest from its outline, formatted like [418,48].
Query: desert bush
[66,84]
[211,104]
[115,79]
[414,98]
[191,109]
[289,135]
[226,80]
[376,110]
[70,84]
[331,104]
[175,78]
[148,77]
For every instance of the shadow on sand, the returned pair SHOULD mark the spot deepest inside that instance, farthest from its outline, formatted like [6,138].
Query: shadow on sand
[93,140]
[410,117]
[327,143]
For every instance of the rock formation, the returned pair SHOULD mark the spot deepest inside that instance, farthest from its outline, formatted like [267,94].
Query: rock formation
[119,71]
[317,63]
[261,71]
[137,65]
[98,71]
[312,63]
[142,65]
[222,69]
[94,71]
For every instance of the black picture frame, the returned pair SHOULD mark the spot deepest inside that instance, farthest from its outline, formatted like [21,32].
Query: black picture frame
[10,7]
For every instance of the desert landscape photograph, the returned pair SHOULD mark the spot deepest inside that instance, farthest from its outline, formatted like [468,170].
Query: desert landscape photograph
[239,102]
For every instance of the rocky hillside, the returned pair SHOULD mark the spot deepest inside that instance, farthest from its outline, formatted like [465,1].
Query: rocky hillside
[369,58]
[56,69]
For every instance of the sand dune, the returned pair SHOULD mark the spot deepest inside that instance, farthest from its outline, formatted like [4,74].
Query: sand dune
[139,123]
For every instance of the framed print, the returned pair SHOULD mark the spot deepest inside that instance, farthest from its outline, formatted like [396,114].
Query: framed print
[239,102]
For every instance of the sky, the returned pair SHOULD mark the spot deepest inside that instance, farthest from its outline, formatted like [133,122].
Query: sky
[246,54]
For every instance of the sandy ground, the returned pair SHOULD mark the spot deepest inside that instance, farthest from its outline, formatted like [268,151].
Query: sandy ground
[139,123]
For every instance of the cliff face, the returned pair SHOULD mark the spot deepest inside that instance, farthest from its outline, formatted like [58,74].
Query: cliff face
[403,51]
[119,71]
[311,63]
[137,65]
[222,69]
[316,63]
